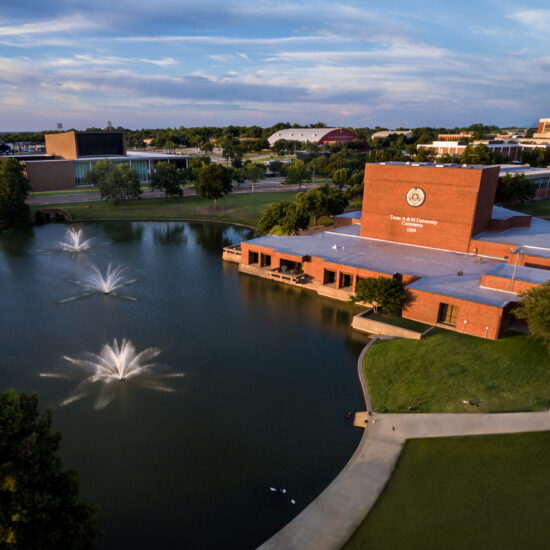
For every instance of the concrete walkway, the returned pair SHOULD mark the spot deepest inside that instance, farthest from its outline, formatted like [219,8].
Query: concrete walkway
[328,522]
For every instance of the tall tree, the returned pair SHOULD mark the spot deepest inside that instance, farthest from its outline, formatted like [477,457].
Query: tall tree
[214,182]
[254,172]
[322,201]
[14,188]
[116,182]
[515,188]
[39,502]
[535,309]
[340,177]
[168,178]
[298,173]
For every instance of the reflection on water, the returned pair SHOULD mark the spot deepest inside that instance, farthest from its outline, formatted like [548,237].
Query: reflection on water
[17,242]
[169,234]
[124,231]
[214,236]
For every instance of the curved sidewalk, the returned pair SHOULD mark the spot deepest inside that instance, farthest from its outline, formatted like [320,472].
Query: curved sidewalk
[335,514]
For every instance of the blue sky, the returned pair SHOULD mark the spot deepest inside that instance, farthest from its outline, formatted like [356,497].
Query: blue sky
[178,63]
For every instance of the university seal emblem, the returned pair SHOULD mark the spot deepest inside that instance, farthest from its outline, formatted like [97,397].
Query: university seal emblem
[416,196]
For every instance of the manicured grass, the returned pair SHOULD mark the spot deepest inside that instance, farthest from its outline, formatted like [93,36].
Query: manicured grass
[79,191]
[540,209]
[489,492]
[399,322]
[445,368]
[244,208]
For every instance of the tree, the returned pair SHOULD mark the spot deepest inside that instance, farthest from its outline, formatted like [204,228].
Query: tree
[297,173]
[295,218]
[214,182]
[322,201]
[535,309]
[275,166]
[129,181]
[515,188]
[39,504]
[381,292]
[168,178]
[340,177]
[476,154]
[14,188]
[289,216]
[254,172]
[207,147]
[196,164]
[271,217]
[114,182]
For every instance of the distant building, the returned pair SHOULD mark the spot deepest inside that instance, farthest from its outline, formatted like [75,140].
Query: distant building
[543,133]
[320,136]
[70,155]
[455,137]
[512,149]
[383,134]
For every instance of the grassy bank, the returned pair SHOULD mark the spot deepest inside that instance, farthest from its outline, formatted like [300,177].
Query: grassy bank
[540,209]
[244,208]
[445,368]
[465,492]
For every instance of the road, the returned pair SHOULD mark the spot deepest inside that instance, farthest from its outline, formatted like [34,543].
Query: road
[273,184]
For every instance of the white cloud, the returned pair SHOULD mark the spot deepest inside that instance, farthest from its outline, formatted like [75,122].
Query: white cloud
[69,23]
[536,19]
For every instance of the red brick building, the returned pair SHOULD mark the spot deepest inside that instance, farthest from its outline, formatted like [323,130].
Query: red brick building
[462,259]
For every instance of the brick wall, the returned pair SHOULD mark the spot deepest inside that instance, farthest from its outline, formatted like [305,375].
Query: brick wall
[508,285]
[50,175]
[424,307]
[62,145]
[495,250]
[457,201]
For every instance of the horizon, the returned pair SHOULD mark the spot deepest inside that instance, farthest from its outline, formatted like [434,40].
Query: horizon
[242,63]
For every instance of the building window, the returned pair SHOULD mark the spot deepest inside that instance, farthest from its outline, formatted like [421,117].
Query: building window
[252,257]
[266,260]
[330,277]
[447,314]
[346,280]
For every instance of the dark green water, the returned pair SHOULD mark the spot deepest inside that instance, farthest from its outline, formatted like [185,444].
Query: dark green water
[270,370]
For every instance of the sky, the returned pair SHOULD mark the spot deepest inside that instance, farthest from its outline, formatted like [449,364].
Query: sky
[172,63]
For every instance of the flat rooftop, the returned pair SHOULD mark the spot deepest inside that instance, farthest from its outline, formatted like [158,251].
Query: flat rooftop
[520,273]
[537,235]
[355,215]
[438,269]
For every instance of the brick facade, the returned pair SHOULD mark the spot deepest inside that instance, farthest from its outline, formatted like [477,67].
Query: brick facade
[458,204]
[50,175]
[472,318]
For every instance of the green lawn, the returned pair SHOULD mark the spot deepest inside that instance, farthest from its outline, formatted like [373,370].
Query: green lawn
[244,208]
[540,209]
[445,368]
[490,492]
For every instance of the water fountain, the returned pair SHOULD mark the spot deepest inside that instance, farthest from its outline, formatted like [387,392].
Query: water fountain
[97,283]
[75,242]
[114,364]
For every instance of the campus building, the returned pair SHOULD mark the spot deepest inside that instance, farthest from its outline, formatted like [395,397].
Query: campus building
[435,227]
[69,155]
[320,136]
